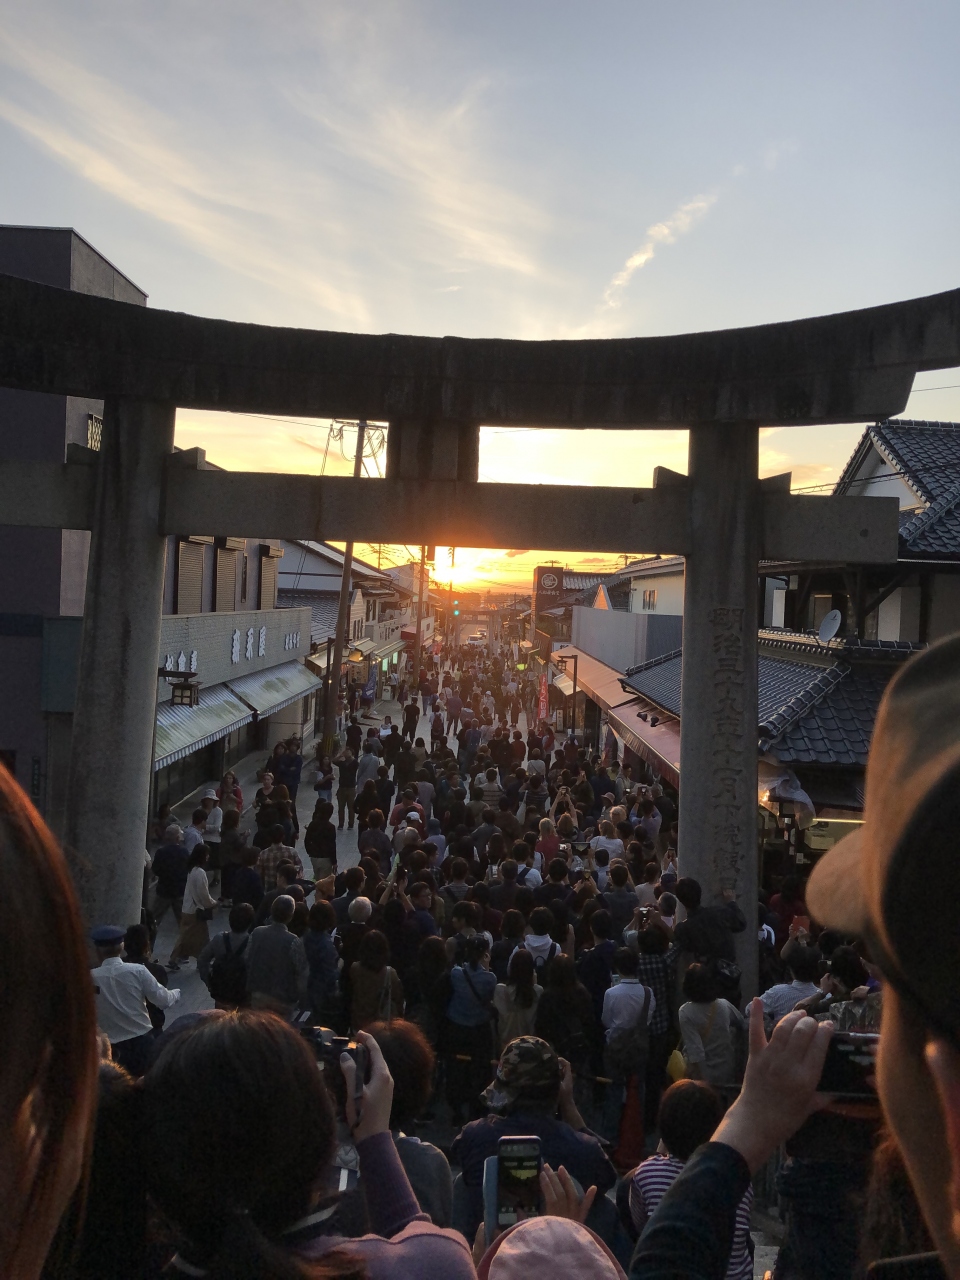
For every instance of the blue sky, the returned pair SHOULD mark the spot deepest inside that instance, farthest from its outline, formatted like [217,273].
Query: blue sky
[524,169]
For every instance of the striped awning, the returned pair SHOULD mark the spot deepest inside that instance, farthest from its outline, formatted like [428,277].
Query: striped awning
[181,730]
[268,691]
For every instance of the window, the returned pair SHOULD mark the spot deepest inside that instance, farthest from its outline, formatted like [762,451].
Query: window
[268,582]
[94,431]
[226,580]
[243,579]
[189,578]
[650,601]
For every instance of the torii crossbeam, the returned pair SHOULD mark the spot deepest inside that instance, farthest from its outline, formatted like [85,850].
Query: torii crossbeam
[435,393]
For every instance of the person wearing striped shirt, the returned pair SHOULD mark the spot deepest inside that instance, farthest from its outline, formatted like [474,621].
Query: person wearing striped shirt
[690,1111]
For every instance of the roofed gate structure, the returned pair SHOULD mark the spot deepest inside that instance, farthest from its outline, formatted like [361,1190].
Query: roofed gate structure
[435,393]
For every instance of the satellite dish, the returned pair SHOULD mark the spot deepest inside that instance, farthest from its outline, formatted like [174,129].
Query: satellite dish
[830,626]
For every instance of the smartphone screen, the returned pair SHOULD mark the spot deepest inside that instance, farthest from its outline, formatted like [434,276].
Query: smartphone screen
[518,1180]
[850,1065]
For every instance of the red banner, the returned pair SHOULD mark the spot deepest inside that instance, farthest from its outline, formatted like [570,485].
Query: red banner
[543,705]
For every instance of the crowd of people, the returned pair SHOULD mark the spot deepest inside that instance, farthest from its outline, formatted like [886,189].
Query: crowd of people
[519,952]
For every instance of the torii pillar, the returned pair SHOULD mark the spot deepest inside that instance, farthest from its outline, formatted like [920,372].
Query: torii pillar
[718,713]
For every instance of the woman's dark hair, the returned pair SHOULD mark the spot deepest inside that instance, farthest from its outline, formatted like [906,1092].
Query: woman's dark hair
[431,961]
[231,819]
[524,901]
[699,984]
[689,1114]
[48,1083]
[323,917]
[374,951]
[522,974]
[283,793]
[513,924]
[198,855]
[601,925]
[561,974]
[374,817]
[411,1060]
[846,965]
[653,941]
[233,1204]
[477,947]
[892,1225]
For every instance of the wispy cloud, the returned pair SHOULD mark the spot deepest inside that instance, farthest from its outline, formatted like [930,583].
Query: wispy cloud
[678,224]
[292,185]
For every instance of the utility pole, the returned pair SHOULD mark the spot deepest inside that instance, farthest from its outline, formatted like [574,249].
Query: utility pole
[343,616]
[416,642]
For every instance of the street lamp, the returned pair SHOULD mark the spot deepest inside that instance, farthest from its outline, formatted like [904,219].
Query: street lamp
[184,692]
[562,664]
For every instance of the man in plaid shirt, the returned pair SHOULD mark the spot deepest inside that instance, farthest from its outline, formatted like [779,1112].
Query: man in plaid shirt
[272,856]
[658,971]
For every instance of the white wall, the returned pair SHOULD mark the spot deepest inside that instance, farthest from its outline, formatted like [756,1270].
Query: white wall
[623,640]
[883,483]
[669,589]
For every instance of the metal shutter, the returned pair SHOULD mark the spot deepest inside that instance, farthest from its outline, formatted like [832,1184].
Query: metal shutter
[190,578]
[268,583]
[226,586]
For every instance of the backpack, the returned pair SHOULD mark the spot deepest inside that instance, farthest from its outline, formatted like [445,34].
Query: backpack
[540,962]
[228,974]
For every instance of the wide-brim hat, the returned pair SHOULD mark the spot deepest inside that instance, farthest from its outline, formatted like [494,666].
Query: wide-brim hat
[869,883]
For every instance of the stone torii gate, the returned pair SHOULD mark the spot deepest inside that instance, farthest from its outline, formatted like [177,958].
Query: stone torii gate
[435,393]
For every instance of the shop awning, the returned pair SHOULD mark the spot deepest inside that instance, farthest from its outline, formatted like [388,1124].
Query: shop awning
[273,689]
[181,730]
[595,678]
[363,647]
[388,649]
[658,744]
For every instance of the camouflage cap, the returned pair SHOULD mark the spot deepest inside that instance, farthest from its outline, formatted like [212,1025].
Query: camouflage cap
[528,1069]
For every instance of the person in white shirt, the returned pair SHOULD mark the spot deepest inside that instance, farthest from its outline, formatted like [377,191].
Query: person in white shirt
[121,993]
[623,1008]
[212,831]
[623,1002]
[197,901]
[804,964]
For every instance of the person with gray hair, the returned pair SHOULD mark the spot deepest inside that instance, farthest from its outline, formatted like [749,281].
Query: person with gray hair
[277,966]
[360,910]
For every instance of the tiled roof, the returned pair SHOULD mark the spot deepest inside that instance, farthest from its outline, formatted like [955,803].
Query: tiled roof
[323,609]
[927,457]
[837,730]
[807,712]
[573,581]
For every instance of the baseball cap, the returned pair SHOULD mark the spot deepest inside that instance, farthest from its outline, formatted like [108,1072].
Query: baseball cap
[528,1067]
[866,884]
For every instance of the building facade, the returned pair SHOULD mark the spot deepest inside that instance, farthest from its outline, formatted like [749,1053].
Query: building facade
[221,624]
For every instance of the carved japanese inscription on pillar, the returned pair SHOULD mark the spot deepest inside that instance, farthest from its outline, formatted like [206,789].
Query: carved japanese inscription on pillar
[727,775]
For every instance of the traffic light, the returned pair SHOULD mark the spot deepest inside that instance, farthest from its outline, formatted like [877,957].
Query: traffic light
[456,608]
